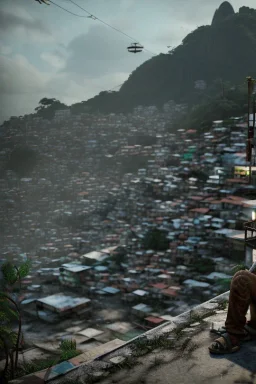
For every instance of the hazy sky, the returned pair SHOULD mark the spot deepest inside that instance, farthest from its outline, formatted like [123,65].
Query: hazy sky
[46,52]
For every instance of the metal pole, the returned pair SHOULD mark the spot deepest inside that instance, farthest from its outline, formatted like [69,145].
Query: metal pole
[253,267]
[253,125]
[249,82]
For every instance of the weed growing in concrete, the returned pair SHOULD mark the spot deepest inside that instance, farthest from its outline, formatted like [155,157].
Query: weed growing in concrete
[223,305]
[169,344]
[129,363]
[195,318]
[178,333]
[141,347]
[37,365]
[185,344]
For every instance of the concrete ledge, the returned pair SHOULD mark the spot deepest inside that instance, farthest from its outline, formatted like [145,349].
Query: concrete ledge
[96,364]
[103,362]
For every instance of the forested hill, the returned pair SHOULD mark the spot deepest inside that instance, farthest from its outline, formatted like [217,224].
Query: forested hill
[225,50]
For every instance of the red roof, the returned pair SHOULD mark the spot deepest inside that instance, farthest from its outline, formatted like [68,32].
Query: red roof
[232,202]
[191,131]
[159,286]
[169,292]
[182,236]
[238,198]
[238,181]
[196,197]
[200,210]
[210,198]
[155,320]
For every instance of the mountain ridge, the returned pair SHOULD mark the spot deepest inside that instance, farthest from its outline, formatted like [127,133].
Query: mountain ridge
[186,74]
[206,54]
[225,10]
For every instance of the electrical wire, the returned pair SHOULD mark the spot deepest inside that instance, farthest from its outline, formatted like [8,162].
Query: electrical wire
[64,9]
[110,26]
[120,85]
[103,22]
[96,18]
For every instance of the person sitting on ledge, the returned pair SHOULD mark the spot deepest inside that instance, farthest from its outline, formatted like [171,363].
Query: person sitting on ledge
[237,329]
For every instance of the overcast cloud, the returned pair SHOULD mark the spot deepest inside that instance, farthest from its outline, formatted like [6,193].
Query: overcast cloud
[46,52]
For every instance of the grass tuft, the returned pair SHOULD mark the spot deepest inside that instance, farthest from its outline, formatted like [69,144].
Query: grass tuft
[223,306]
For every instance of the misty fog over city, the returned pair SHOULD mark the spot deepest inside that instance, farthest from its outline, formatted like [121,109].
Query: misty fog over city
[127,189]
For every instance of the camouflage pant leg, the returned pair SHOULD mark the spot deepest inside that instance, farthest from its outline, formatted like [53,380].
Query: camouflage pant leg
[242,295]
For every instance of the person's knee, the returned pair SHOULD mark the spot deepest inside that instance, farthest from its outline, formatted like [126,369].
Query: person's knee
[244,273]
[240,280]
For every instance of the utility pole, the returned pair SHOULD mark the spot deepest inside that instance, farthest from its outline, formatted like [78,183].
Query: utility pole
[250,134]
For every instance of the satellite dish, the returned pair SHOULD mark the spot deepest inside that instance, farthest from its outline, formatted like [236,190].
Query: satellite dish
[135,48]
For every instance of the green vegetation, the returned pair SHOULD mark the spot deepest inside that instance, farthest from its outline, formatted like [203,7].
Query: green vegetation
[156,240]
[48,107]
[224,284]
[167,341]
[22,160]
[221,102]
[203,265]
[10,340]
[36,366]
[68,351]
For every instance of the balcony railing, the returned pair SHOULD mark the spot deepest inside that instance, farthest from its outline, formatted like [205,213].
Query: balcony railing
[250,233]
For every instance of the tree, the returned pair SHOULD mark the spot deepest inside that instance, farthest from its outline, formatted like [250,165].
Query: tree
[48,107]
[156,240]
[22,160]
[224,284]
[202,176]
[221,102]
[9,310]
[203,265]
[44,103]
[119,256]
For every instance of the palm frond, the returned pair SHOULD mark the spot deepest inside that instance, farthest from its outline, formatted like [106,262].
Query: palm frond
[239,267]
[24,269]
[9,273]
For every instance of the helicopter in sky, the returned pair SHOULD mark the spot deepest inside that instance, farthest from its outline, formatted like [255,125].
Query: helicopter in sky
[135,48]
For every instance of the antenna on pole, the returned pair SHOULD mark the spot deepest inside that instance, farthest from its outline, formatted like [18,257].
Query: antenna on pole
[253,124]
[250,134]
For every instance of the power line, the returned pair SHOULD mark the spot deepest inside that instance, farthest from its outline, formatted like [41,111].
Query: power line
[110,26]
[117,86]
[64,9]
[101,21]
[111,89]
